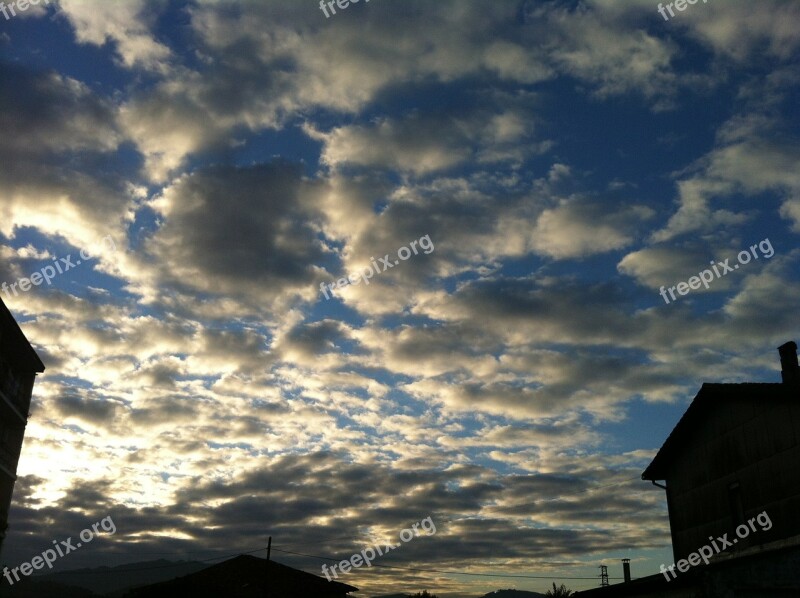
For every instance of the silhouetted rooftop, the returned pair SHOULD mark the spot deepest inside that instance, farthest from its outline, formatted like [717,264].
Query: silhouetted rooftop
[21,355]
[712,396]
[245,577]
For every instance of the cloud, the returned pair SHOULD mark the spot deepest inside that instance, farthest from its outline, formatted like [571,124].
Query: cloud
[660,265]
[614,58]
[90,410]
[578,228]
[742,31]
[129,26]
[222,96]
[752,166]
[242,153]
[239,231]
[45,112]
[57,127]
[791,211]
[430,142]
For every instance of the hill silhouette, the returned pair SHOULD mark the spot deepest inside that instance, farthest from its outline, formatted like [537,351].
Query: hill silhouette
[513,594]
[33,588]
[100,581]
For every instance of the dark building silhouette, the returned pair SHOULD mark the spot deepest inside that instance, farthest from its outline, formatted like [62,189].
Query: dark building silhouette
[734,454]
[246,577]
[732,460]
[19,365]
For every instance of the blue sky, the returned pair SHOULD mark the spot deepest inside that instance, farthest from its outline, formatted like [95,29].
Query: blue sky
[566,160]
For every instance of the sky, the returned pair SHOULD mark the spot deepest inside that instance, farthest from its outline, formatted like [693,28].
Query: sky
[524,196]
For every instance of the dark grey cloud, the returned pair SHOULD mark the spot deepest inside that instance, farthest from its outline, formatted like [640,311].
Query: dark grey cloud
[239,230]
[283,499]
[173,408]
[97,411]
[44,112]
[317,338]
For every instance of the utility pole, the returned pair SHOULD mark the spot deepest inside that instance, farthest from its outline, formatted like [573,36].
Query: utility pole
[267,592]
[603,576]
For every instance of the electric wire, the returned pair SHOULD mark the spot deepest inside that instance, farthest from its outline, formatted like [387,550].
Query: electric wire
[418,569]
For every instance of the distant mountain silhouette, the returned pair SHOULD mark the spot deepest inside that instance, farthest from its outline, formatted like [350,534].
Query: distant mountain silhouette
[102,581]
[31,588]
[513,594]
[246,577]
[115,580]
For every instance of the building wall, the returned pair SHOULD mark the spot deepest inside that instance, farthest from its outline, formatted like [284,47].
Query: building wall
[755,445]
[16,386]
[15,398]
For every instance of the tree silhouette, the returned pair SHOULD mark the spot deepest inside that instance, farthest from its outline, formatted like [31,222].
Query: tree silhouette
[423,594]
[559,592]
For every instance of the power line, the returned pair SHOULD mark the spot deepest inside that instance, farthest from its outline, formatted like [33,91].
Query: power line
[417,569]
[317,541]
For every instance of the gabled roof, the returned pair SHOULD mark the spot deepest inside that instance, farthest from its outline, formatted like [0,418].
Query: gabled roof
[247,576]
[711,396]
[14,344]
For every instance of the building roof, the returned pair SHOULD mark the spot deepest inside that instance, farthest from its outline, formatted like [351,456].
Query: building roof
[720,573]
[637,587]
[246,576]
[710,397]
[15,346]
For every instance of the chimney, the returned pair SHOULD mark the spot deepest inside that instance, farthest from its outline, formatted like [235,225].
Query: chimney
[790,371]
[626,570]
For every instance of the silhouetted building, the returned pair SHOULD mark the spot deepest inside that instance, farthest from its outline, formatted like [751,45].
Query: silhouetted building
[19,365]
[731,466]
[734,454]
[247,576]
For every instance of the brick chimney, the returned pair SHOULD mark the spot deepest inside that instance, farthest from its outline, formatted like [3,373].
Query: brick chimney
[790,371]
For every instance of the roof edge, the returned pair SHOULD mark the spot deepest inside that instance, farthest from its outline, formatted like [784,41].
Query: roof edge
[32,357]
